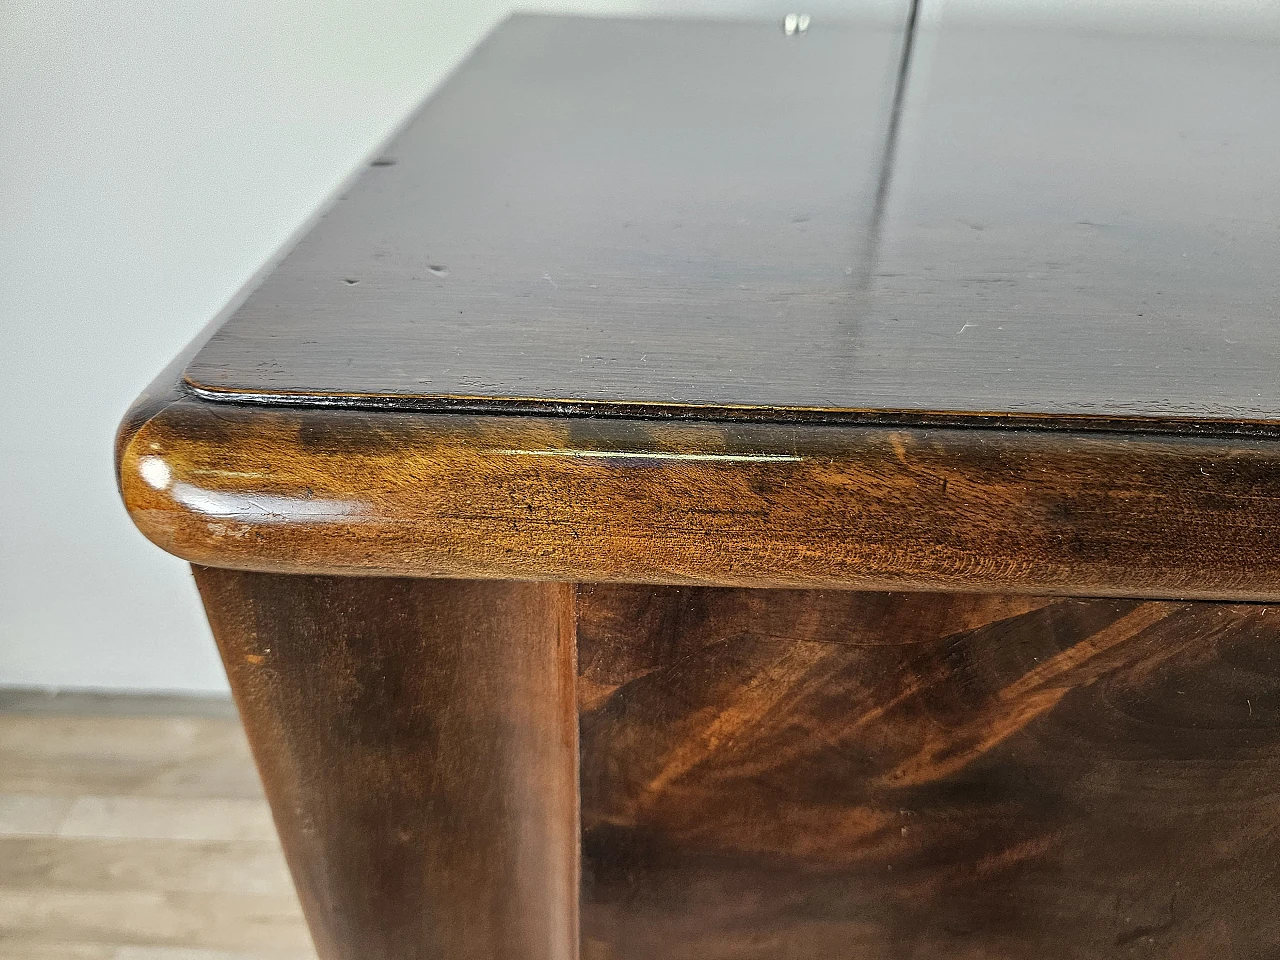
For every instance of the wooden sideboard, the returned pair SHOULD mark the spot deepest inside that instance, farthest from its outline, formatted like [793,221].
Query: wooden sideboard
[701,492]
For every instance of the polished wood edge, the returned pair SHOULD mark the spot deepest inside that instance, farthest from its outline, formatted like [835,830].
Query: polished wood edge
[170,384]
[162,391]
[760,505]
[856,416]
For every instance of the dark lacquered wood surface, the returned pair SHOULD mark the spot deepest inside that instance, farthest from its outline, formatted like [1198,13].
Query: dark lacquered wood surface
[417,742]
[675,217]
[853,776]
[754,774]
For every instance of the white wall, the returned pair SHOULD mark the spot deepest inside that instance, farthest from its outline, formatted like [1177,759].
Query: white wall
[152,155]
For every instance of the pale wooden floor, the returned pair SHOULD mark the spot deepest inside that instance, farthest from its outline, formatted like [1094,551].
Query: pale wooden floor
[135,829]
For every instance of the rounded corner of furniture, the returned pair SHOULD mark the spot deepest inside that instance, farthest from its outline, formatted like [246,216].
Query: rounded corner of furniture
[145,471]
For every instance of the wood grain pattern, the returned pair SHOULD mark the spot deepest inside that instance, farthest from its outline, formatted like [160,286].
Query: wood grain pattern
[340,491]
[417,744]
[673,218]
[845,775]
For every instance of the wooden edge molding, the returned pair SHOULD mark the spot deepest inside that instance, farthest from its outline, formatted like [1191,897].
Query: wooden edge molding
[339,491]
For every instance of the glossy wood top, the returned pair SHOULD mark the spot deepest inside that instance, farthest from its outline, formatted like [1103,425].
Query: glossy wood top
[646,217]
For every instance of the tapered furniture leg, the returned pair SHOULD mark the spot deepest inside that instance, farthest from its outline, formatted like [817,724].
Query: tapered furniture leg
[418,743]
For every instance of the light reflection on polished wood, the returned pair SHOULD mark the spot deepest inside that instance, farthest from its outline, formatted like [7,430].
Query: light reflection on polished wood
[761,505]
